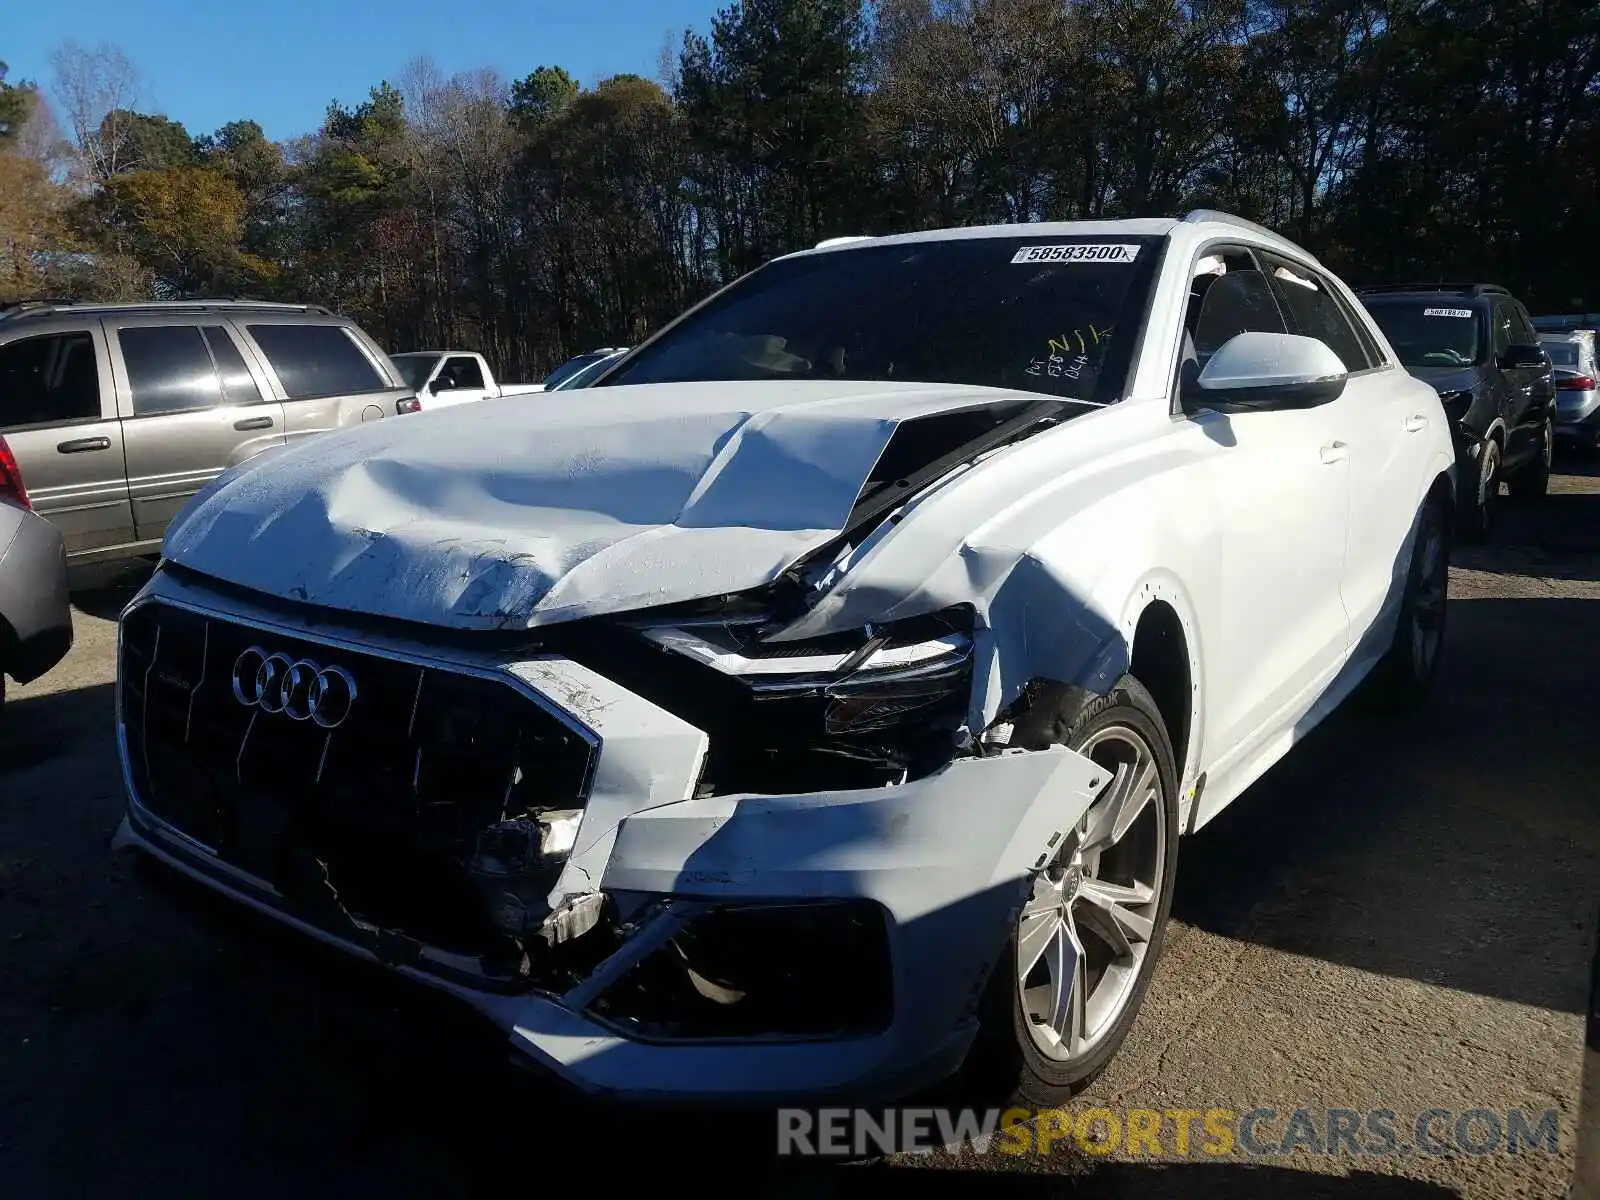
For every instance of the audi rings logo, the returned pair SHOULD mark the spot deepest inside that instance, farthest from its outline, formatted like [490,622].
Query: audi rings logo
[299,689]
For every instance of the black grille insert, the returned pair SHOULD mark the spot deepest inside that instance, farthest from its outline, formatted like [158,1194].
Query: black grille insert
[375,819]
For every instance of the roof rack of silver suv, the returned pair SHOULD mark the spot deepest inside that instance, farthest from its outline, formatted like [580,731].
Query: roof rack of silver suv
[40,308]
[1200,215]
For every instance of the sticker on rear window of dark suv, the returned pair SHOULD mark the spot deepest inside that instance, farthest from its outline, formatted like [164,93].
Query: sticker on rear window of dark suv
[1447,312]
[1098,252]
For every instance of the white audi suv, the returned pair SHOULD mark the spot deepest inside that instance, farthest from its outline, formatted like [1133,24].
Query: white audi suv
[819,706]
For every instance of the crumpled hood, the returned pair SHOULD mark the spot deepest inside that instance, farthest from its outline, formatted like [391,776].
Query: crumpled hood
[515,513]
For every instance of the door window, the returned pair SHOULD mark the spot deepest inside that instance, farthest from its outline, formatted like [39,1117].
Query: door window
[1522,331]
[1314,311]
[1502,328]
[462,372]
[316,360]
[237,385]
[169,369]
[1229,296]
[49,380]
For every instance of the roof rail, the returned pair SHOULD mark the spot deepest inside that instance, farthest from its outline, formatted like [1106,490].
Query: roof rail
[40,308]
[1200,215]
[1461,289]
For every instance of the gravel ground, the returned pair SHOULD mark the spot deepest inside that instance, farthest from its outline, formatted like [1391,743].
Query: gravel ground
[1396,917]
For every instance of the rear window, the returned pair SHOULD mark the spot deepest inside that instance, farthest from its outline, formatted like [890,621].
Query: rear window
[1562,354]
[317,360]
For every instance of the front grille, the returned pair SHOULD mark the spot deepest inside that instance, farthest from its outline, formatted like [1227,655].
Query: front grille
[375,819]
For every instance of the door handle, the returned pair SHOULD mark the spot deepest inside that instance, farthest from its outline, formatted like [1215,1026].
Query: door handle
[250,423]
[1416,422]
[83,445]
[1335,452]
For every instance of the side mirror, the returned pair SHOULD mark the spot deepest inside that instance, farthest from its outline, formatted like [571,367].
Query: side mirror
[438,385]
[1262,372]
[1517,357]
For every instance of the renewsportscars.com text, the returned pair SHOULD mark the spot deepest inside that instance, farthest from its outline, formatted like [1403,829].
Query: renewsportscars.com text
[1169,1132]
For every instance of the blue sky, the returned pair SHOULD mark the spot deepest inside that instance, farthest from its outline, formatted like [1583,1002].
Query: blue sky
[206,63]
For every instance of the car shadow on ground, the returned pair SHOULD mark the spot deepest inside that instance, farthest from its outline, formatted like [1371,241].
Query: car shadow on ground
[36,729]
[1457,847]
[1556,536]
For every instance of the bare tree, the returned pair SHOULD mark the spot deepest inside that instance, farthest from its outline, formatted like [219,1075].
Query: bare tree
[669,61]
[98,86]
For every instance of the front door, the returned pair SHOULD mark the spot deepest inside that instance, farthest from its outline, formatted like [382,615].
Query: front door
[1278,486]
[459,381]
[191,410]
[58,414]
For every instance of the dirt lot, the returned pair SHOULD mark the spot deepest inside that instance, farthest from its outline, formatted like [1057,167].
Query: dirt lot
[1396,917]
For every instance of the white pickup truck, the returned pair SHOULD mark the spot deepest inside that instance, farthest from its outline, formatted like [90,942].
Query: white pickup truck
[442,378]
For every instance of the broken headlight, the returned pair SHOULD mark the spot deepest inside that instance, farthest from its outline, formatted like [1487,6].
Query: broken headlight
[873,706]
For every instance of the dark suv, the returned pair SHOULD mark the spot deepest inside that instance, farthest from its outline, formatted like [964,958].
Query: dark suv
[1475,344]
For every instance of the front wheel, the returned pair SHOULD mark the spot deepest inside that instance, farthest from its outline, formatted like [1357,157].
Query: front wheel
[1479,496]
[1533,480]
[1085,942]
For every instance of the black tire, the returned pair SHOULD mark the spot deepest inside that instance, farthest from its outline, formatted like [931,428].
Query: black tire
[1480,494]
[1532,481]
[1006,1060]
[1403,678]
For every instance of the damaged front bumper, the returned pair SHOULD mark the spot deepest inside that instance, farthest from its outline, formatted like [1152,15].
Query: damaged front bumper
[753,948]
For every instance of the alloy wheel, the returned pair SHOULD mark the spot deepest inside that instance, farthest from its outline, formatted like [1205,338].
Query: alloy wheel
[1488,479]
[1084,934]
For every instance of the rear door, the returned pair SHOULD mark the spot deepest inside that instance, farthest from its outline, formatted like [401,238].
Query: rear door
[191,408]
[1382,419]
[326,376]
[58,413]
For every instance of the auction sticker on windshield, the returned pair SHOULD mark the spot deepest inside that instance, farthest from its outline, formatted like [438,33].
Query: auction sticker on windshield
[1098,252]
[1447,312]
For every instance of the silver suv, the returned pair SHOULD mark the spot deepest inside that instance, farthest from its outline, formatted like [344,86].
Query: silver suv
[119,414]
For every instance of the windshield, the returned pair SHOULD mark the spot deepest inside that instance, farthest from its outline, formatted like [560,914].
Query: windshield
[1562,354]
[584,376]
[1039,314]
[415,368]
[570,368]
[1428,331]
